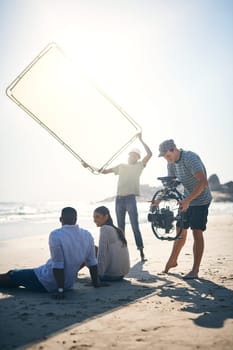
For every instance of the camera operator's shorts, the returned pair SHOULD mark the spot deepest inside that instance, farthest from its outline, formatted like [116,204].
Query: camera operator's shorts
[196,217]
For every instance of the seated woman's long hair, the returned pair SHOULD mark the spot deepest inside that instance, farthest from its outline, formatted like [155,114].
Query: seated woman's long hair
[104,211]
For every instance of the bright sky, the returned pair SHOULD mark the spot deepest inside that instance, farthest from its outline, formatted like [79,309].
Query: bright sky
[168,63]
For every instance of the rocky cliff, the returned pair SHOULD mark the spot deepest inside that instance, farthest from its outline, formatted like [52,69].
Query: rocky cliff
[220,192]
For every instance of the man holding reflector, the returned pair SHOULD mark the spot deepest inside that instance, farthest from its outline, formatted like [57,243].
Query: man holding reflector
[128,188]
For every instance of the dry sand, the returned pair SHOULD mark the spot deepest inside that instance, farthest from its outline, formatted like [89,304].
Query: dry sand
[148,310]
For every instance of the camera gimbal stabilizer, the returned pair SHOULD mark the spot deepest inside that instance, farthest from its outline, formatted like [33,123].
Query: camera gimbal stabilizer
[166,218]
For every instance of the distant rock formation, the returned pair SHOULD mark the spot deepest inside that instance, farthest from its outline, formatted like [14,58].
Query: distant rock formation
[220,192]
[214,183]
[146,194]
[228,187]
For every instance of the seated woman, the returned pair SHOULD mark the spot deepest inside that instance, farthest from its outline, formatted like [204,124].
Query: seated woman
[113,254]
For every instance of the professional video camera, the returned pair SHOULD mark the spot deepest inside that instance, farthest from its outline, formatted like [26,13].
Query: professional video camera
[165,216]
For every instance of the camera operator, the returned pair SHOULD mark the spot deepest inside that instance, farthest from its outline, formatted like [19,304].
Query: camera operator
[188,168]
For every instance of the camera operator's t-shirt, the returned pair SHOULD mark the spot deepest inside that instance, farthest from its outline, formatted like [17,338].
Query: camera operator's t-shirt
[129,178]
[185,169]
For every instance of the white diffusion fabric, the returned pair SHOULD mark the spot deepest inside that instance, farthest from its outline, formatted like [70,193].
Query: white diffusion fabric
[72,109]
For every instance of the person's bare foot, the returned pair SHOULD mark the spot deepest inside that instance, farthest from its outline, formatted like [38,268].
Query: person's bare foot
[168,267]
[191,276]
[143,259]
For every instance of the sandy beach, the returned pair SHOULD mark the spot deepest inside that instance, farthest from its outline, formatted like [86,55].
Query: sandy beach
[148,310]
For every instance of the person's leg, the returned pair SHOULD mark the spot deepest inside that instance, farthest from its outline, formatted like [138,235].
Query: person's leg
[7,282]
[131,207]
[120,212]
[198,225]
[26,278]
[198,248]
[177,246]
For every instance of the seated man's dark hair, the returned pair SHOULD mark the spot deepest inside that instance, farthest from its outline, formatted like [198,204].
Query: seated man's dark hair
[68,216]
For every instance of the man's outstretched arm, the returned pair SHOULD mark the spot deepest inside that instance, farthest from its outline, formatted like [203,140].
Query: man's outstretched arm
[147,149]
[106,171]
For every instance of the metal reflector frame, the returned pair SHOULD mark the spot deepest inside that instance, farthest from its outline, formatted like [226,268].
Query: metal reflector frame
[74,110]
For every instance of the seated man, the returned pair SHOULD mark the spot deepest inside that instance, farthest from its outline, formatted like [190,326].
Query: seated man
[70,246]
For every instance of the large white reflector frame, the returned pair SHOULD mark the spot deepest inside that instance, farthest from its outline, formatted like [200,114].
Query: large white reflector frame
[73,109]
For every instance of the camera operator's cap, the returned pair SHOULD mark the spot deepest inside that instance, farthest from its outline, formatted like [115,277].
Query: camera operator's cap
[166,146]
[135,150]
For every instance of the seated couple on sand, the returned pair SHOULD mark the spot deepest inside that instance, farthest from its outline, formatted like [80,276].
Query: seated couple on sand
[70,248]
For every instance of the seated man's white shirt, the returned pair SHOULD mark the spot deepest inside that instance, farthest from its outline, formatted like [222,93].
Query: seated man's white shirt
[70,246]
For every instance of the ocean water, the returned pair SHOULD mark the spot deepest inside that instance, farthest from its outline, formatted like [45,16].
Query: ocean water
[48,211]
[46,214]
[38,211]
[23,219]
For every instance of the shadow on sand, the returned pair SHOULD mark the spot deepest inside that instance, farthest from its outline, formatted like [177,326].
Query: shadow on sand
[27,317]
[211,302]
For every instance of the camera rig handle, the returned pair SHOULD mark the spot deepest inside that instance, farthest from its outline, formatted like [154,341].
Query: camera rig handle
[169,181]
